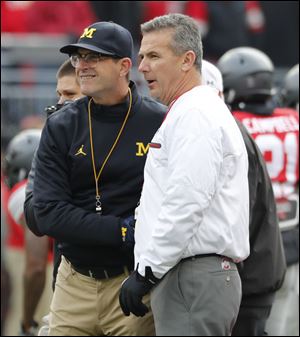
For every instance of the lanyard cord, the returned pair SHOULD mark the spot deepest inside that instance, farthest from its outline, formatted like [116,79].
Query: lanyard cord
[98,203]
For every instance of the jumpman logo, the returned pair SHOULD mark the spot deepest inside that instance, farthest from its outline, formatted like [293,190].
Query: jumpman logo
[80,151]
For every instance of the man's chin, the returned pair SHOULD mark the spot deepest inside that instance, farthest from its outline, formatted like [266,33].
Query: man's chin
[86,91]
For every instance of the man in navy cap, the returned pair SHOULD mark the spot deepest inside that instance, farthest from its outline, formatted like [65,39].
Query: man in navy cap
[89,176]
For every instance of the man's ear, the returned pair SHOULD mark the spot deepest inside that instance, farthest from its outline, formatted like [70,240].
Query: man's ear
[126,65]
[189,59]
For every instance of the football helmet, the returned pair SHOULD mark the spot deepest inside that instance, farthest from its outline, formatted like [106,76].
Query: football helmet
[247,75]
[290,89]
[19,155]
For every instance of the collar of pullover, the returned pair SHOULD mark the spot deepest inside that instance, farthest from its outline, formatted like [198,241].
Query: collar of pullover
[114,113]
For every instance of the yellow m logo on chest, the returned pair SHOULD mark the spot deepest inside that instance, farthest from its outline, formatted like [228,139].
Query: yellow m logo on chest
[141,149]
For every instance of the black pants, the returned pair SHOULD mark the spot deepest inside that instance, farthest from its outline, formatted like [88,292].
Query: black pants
[251,321]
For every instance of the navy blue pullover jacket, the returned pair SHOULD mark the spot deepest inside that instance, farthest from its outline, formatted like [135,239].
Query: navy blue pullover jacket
[64,184]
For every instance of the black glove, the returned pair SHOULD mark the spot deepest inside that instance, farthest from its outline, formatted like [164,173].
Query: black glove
[127,230]
[132,291]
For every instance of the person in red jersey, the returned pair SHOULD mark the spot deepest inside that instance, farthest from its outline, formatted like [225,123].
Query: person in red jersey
[259,284]
[23,254]
[248,89]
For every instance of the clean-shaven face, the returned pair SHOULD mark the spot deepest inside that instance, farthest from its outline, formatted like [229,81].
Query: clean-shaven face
[160,66]
[97,79]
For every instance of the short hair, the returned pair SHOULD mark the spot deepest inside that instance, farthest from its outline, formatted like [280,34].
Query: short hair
[186,35]
[65,69]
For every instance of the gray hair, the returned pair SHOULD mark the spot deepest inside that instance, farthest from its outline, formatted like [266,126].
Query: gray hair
[186,34]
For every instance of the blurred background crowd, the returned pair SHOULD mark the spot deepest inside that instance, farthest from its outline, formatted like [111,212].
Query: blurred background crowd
[33,31]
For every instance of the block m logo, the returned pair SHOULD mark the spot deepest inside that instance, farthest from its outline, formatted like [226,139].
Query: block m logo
[88,33]
[141,149]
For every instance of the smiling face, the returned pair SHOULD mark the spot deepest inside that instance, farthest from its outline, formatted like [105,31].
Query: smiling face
[103,78]
[161,68]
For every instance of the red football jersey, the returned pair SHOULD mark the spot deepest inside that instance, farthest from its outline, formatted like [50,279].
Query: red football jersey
[277,136]
[14,212]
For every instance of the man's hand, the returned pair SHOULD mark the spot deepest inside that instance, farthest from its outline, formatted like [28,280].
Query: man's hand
[132,291]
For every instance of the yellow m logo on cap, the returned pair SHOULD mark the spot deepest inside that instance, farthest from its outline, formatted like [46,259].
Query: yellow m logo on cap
[88,32]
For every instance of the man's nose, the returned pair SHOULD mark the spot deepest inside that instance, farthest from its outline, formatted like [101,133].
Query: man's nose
[82,64]
[143,66]
[61,100]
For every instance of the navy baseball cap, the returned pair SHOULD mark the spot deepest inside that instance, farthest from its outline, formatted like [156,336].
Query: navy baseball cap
[107,38]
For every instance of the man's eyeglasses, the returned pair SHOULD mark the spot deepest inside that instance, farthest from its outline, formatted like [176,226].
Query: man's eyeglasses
[91,58]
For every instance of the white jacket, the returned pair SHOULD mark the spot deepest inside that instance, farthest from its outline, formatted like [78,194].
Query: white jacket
[195,196]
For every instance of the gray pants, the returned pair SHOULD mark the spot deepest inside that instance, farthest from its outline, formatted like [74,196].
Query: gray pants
[198,297]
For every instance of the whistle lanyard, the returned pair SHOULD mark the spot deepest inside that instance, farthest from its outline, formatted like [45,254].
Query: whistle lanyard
[97,176]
